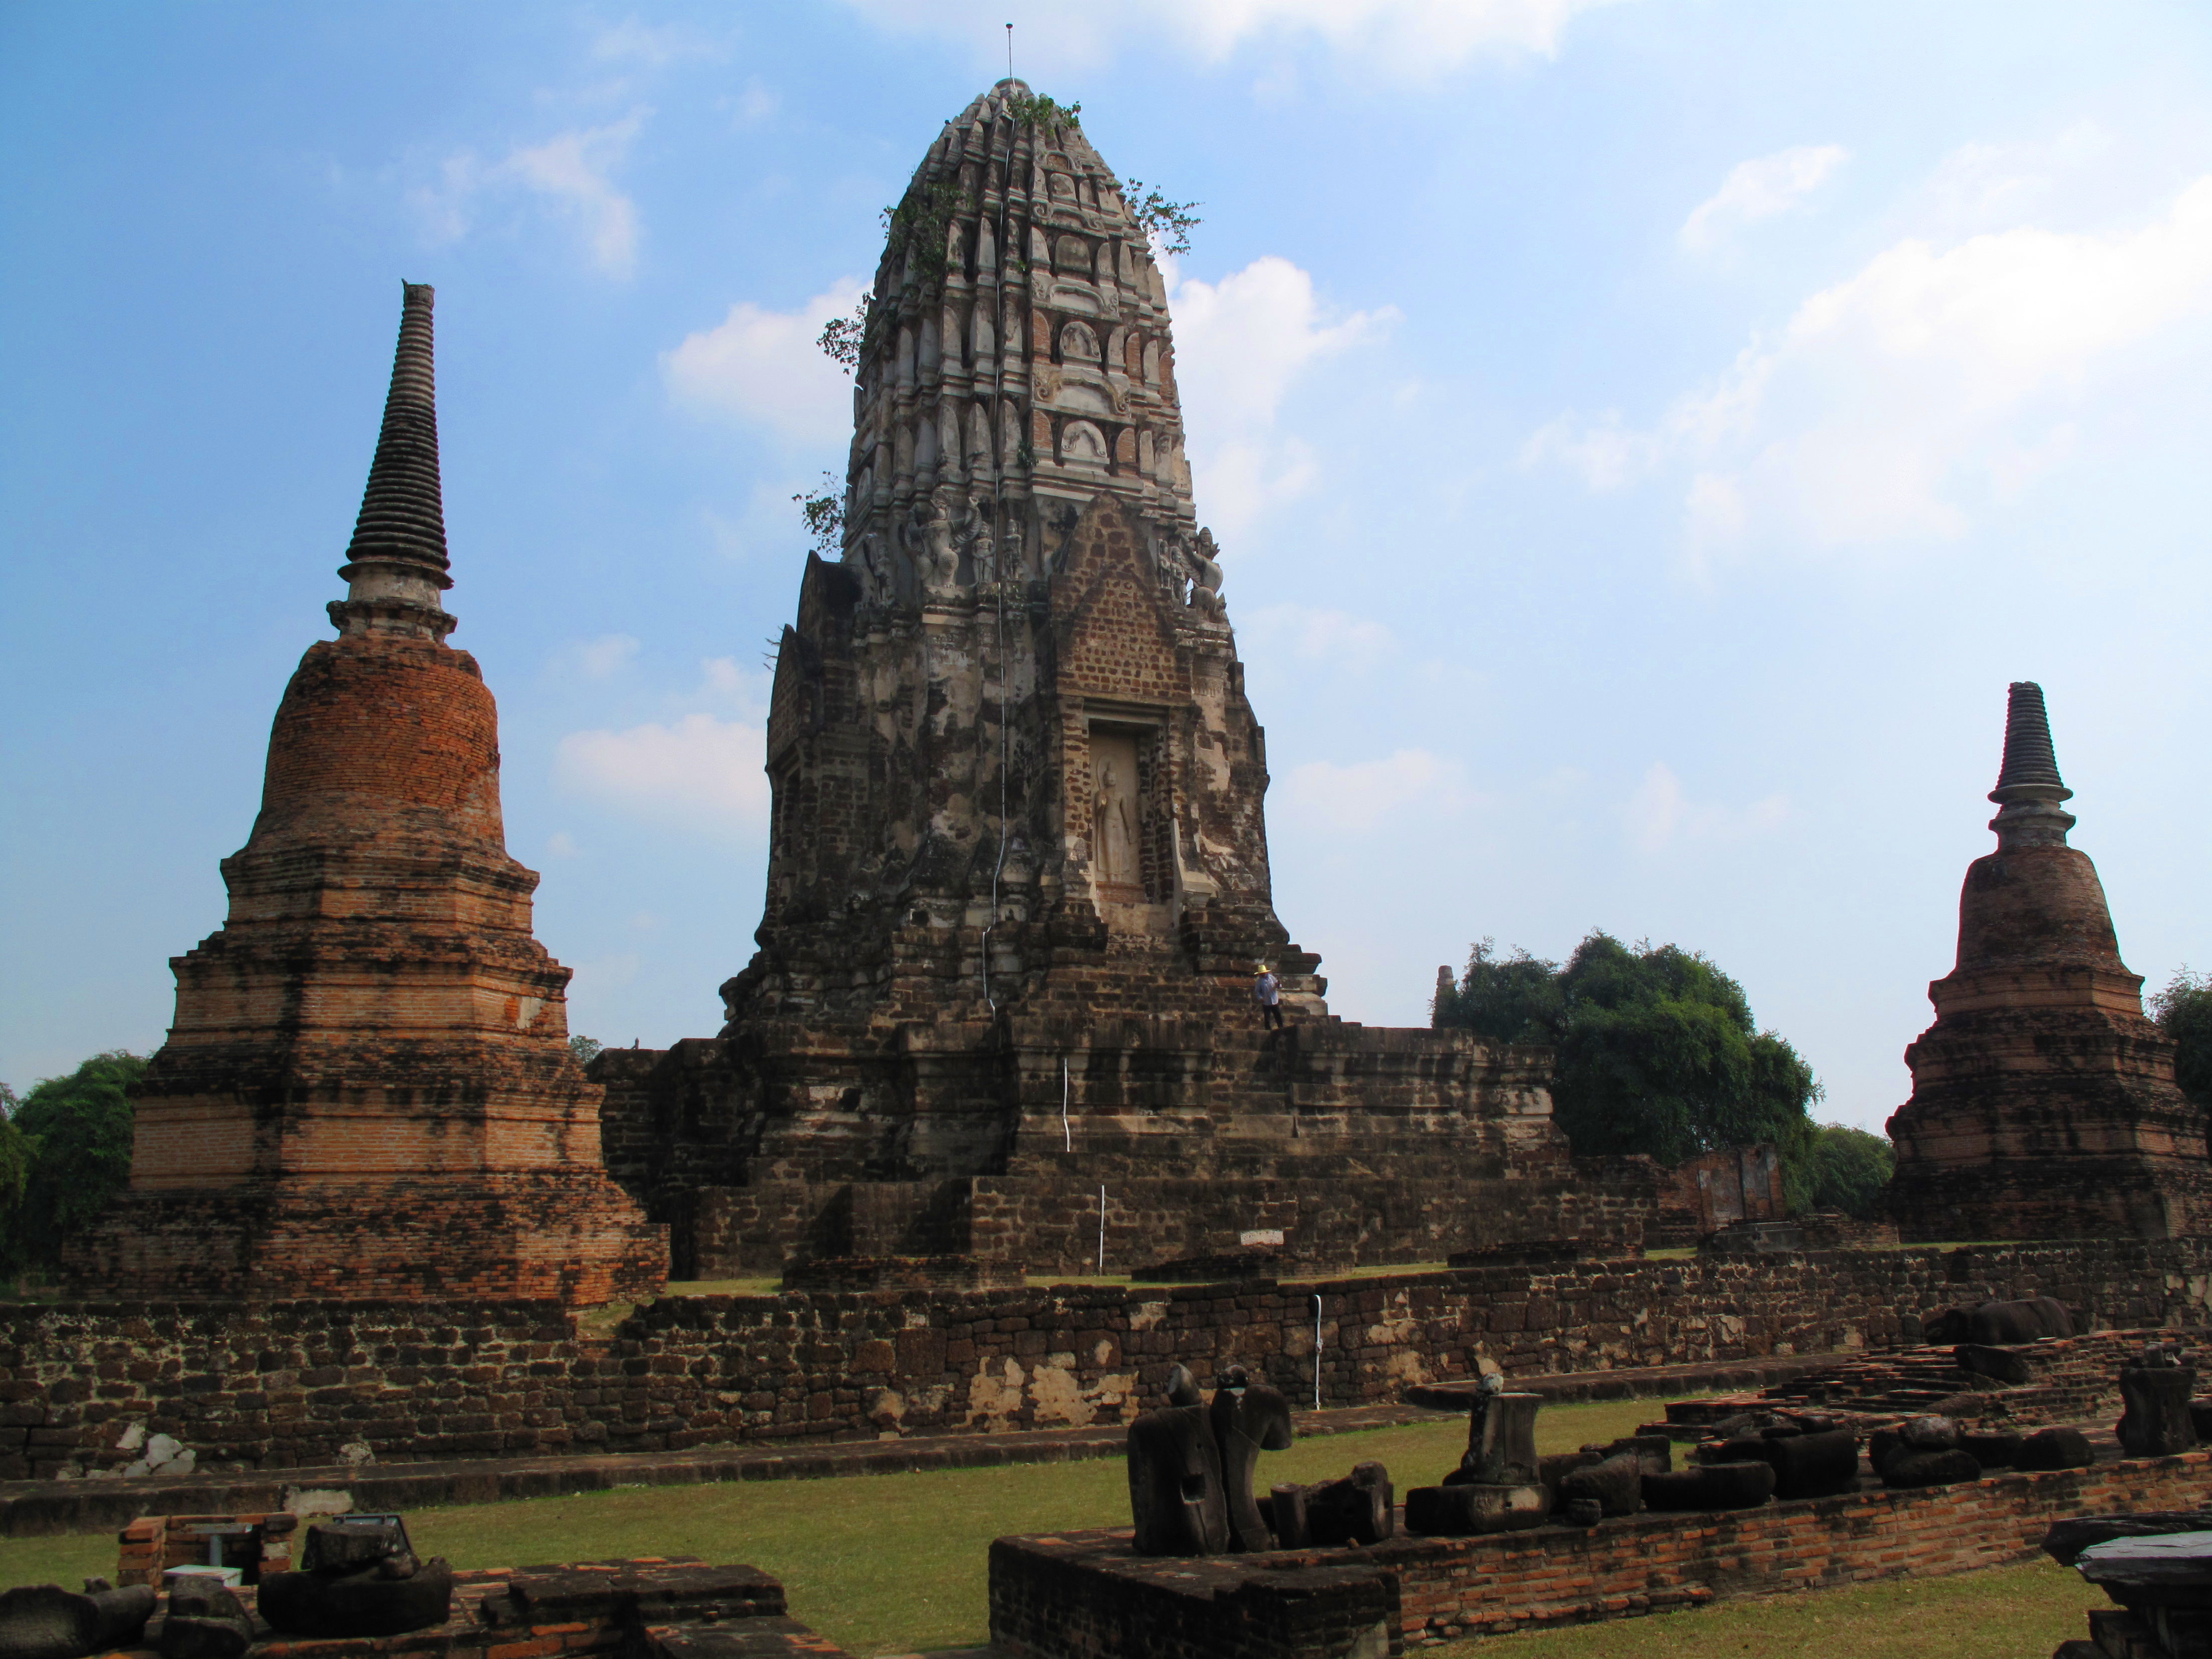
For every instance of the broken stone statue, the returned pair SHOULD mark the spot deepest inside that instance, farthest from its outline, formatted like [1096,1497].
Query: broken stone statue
[1499,1485]
[1190,1466]
[358,1577]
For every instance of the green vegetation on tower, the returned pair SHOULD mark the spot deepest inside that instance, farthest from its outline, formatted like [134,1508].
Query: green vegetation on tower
[2184,1011]
[1657,1051]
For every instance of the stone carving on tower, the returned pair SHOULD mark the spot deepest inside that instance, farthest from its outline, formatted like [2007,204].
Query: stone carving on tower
[1017,876]
[368,1091]
[2044,1102]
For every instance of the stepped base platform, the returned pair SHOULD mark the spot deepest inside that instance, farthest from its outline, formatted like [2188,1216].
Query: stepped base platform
[1087,1596]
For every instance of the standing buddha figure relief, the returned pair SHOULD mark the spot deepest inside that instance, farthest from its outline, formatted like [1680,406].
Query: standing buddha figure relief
[1114,818]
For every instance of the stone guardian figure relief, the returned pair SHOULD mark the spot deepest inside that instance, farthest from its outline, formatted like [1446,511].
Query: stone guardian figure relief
[1205,587]
[940,563]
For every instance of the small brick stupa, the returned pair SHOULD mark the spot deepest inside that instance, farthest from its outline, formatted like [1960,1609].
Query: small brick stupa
[368,1090]
[1018,882]
[2044,1103]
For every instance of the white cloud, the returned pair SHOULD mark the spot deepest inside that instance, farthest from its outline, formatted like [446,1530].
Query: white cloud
[1241,341]
[656,47]
[1354,798]
[1659,815]
[763,367]
[698,769]
[1240,345]
[1759,189]
[572,172]
[756,101]
[560,845]
[605,657]
[1936,379]
[1415,38]
[1982,187]
[1607,454]
[1335,638]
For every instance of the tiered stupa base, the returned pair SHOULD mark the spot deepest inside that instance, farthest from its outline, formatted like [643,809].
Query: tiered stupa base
[519,1237]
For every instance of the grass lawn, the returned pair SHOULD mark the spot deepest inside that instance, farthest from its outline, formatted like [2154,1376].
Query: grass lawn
[2009,1612]
[897,1563]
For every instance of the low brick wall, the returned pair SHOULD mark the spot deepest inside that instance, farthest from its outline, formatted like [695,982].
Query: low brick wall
[1083,1596]
[286,1384]
[655,1608]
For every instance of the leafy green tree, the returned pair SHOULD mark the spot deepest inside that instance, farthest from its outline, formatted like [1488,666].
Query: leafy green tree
[77,1131]
[586,1049]
[1658,1051]
[16,1158]
[1847,1169]
[1167,224]
[2184,1011]
[823,514]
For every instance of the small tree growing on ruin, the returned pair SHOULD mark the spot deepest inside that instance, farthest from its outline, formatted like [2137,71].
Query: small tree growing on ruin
[1658,1051]
[2184,1011]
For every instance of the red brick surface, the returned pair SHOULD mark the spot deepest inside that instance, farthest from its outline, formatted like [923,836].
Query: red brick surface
[1559,1575]
[367,1092]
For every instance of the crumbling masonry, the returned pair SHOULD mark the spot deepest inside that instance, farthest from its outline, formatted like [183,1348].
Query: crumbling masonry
[1017,876]
[368,1093]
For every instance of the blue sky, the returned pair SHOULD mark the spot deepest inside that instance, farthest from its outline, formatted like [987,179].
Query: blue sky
[1644,438]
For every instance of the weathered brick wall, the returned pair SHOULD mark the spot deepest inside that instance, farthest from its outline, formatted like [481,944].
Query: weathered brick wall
[1083,1594]
[281,1384]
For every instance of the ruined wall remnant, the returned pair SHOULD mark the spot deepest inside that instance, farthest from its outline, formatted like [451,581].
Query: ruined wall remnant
[2044,1102]
[367,1092]
[283,1385]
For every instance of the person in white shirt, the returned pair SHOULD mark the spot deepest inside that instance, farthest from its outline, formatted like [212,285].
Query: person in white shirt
[1267,992]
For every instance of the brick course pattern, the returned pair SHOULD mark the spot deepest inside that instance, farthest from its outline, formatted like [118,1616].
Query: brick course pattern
[367,1092]
[1083,1596]
[292,1384]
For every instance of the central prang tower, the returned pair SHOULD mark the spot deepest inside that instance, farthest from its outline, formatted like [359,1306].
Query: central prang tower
[1018,874]
[1012,720]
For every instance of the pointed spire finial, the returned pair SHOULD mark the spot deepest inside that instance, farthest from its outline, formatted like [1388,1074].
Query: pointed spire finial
[2029,787]
[395,565]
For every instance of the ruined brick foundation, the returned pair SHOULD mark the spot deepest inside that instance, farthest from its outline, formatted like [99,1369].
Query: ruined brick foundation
[1084,1596]
[291,1384]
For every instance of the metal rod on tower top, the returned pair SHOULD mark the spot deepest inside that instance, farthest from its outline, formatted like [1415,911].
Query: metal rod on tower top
[1009,52]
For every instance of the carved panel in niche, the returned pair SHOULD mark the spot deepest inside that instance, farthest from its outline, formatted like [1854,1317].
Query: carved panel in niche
[1082,444]
[1079,396]
[1078,343]
[1071,257]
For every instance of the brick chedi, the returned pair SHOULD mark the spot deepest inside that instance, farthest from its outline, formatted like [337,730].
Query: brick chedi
[2044,1102]
[367,1092]
[1017,875]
